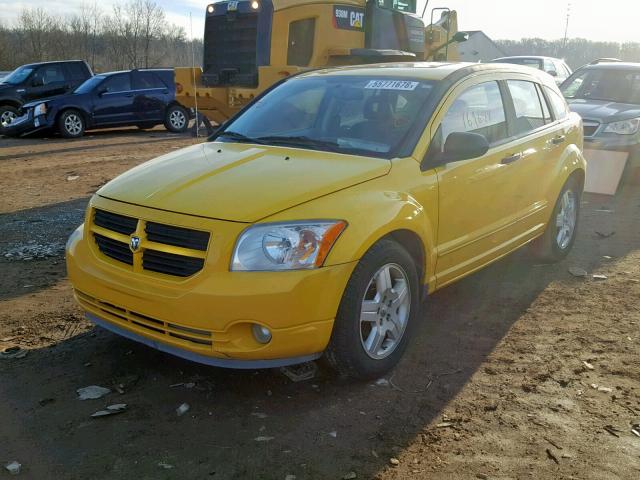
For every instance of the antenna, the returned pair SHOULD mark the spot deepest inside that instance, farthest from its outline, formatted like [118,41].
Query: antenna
[424,10]
[193,73]
[566,28]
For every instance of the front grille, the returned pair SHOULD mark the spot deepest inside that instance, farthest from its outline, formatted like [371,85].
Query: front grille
[120,315]
[115,222]
[230,50]
[590,128]
[166,249]
[177,236]
[171,264]
[114,249]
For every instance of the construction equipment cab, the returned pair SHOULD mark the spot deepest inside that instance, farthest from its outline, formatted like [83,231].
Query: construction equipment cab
[251,44]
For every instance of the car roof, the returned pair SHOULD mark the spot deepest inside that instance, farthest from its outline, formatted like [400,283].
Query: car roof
[434,71]
[524,57]
[613,66]
[37,64]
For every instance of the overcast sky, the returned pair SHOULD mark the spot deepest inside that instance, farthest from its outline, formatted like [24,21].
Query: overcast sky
[613,20]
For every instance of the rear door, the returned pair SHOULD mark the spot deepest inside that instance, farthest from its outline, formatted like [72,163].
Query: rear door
[477,197]
[114,101]
[532,124]
[48,80]
[151,96]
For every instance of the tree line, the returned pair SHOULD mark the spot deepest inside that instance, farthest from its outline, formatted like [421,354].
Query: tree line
[135,34]
[576,51]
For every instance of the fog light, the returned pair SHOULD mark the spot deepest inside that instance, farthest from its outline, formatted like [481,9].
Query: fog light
[210,9]
[261,334]
[255,5]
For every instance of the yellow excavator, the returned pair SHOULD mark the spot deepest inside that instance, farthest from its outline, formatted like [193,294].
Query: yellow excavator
[251,44]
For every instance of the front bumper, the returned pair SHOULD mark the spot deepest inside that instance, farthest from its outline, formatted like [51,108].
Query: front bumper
[26,124]
[208,317]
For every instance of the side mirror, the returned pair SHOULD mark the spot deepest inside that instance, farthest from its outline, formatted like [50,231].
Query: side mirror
[464,146]
[460,37]
[553,73]
[37,81]
[101,91]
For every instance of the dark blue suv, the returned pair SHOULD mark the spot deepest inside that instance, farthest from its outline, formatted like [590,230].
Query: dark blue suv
[142,98]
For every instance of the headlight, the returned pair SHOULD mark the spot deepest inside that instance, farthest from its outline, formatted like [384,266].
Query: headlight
[41,109]
[626,127]
[211,9]
[286,246]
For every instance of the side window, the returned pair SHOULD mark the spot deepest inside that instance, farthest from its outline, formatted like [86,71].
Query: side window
[145,80]
[117,83]
[549,66]
[527,106]
[545,107]
[558,104]
[77,71]
[478,110]
[301,35]
[50,74]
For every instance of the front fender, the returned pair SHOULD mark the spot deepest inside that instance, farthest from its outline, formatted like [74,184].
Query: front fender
[375,209]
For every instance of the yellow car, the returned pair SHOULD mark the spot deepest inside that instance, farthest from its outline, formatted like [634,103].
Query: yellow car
[318,219]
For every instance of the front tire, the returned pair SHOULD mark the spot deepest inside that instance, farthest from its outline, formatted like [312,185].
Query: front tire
[71,124]
[560,235]
[7,115]
[176,119]
[377,313]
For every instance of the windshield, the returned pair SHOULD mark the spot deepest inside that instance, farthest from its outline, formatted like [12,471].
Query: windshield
[18,76]
[355,114]
[90,84]
[620,86]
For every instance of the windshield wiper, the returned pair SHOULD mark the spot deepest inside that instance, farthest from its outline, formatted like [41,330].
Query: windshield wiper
[300,141]
[240,137]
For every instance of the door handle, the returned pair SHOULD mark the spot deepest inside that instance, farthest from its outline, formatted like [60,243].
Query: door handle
[512,158]
[128,94]
[559,139]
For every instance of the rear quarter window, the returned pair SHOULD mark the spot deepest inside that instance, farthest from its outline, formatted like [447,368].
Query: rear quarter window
[558,104]
[77,71]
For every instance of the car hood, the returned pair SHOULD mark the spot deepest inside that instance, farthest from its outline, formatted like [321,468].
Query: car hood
[69,98]
[239,182]
[604,111]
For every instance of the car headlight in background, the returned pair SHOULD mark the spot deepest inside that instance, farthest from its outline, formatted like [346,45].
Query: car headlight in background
[41,109]
[255,5]
[626,127]
[286,246]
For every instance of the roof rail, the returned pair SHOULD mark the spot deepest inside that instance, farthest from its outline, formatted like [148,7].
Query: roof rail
[605,60]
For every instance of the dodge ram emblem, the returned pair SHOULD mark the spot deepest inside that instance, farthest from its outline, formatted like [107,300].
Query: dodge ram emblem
[134,243]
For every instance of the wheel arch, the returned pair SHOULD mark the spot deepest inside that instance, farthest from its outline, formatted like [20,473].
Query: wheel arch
[85,116]
[10,102]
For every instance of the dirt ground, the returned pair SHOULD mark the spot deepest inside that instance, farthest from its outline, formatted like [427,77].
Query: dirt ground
[519,371]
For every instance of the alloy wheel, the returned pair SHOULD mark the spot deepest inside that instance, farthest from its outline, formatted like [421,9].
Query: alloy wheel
[177,119]
[73,124]
[566,219]
[385,311]
[7,117]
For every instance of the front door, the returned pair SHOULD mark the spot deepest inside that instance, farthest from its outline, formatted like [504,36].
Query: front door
[477,206]
[114,101]
[47,81]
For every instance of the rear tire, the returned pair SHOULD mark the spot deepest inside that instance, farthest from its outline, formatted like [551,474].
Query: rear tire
[377,313]
[7,115]
[71,124]
[560,235]
[176,119]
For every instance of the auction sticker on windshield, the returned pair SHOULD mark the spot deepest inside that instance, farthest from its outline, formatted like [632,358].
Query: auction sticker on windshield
[391,85]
